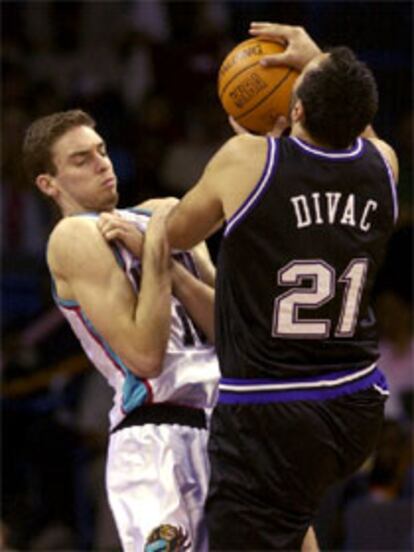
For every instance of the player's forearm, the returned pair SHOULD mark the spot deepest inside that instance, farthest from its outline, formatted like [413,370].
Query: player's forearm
[205,266]
[153,311]
[197,298]
[182,232]
[194,219]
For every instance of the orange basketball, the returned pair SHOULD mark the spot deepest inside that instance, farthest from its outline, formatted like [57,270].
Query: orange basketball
[254,95]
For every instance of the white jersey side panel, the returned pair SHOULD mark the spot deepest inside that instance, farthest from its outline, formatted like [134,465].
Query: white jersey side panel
[190,373]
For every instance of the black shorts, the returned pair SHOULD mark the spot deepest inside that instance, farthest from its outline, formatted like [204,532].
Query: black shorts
[271,464]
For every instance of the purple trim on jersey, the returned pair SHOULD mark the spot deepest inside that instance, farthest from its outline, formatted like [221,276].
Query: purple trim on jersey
[297,391]
[335,155]
[393,185]
[255,195]
[317,380]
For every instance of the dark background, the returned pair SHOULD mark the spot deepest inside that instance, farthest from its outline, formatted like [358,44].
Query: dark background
[146,71]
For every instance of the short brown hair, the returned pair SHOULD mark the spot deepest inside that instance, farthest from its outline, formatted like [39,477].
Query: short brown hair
[43,133]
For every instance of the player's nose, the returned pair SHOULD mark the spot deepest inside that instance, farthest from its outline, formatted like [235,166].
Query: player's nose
[102,162]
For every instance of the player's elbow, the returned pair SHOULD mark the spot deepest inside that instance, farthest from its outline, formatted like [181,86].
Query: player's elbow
[147,364]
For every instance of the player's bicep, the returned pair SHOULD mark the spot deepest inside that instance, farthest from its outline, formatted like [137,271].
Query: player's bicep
[97,283]
[198,215]
[107,299]
[201,211]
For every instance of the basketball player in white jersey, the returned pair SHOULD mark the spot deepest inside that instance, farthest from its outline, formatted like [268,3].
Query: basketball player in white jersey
[153,349]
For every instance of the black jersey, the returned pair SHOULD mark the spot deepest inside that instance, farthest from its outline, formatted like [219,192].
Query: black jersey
[298,261]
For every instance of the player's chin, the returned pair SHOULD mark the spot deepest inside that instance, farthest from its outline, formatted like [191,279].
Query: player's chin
[109,203]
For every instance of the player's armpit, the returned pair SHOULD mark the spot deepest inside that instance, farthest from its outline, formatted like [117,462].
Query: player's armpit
[136,331]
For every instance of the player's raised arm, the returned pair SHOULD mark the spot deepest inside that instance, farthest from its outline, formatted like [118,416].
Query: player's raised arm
[226,182]
[135,327]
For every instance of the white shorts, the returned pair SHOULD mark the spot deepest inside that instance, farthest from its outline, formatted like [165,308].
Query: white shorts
[157,478]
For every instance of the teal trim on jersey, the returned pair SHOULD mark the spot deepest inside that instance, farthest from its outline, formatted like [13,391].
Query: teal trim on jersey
[63,302]
[134,390]
[161,545]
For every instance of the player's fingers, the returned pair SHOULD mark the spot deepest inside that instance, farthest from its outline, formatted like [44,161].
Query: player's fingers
[274,60]
[238,129]
[109,224]
[280,125]
[276,28]
[105,219]
[102,225]
[111,234]
[265,35]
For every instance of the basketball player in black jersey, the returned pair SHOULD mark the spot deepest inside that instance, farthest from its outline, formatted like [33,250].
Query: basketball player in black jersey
[307,219]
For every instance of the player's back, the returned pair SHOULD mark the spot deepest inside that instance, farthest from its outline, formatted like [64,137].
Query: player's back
[298,261]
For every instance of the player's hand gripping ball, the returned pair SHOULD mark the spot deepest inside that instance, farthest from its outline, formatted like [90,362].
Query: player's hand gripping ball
[252,94]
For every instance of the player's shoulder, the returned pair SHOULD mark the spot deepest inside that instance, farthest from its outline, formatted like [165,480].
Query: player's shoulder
[69,228]
[245,142]
[242,148]
[69,236]
[388,153]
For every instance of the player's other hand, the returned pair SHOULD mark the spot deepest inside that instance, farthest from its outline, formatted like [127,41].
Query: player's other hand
[281,124]
[300,48]
[156,242]
[113,227]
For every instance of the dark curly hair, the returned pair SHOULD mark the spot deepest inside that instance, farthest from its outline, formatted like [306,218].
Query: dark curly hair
[340,98]
[43,133]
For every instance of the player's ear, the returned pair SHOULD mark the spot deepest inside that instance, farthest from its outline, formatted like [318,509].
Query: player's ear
[45,184]
[297,114]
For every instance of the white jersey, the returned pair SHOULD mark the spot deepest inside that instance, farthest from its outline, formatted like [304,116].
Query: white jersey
[190,372]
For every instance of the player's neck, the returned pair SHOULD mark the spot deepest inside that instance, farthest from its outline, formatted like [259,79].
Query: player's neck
[69,209]
[299,132]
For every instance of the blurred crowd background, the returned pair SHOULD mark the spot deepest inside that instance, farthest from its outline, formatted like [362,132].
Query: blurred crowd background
[147,71]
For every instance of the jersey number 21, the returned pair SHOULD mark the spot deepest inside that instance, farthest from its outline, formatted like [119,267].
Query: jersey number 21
[286,320]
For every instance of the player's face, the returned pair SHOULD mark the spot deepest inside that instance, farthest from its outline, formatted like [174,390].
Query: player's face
[85,178]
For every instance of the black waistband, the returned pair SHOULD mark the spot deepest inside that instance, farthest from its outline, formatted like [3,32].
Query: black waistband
[164,413]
